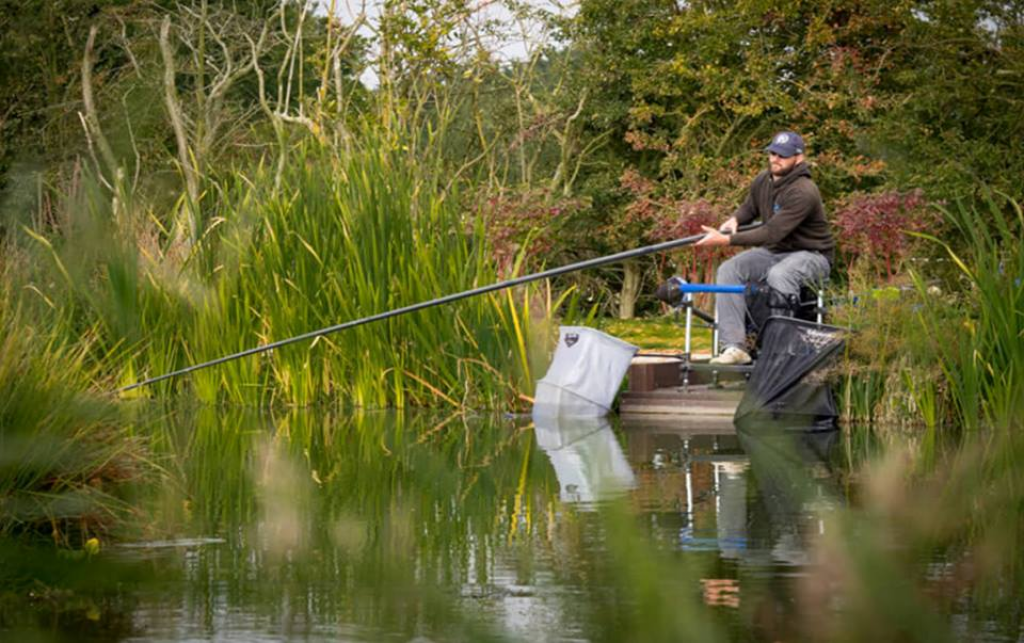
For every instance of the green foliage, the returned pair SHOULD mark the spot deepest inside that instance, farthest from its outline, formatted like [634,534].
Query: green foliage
[887,375]
[44,144]
[697,89]
[889,96]
[947,349]
[64,456]
[655,334]
[979,329]
[955,128]
[626,123]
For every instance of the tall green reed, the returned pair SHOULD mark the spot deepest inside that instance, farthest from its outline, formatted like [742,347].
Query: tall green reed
[887,376]
[97,273]
[348,233]
[978,331]
[949,353]
[347,236]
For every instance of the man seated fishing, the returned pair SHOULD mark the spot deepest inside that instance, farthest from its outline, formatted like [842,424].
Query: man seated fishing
[795,244]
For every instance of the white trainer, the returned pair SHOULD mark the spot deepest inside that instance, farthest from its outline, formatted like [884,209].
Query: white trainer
[732,356]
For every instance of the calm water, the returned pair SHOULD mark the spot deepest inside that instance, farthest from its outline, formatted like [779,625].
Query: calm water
[383,527]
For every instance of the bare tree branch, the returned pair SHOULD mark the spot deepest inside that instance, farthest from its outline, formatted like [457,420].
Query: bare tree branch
[91,121]
[174,111]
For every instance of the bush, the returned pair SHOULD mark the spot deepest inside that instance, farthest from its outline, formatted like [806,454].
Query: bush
[873,229]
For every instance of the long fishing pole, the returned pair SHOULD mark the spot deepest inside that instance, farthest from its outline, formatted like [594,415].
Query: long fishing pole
[447,299]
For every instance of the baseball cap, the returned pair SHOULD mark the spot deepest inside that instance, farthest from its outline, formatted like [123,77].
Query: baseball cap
[786,144]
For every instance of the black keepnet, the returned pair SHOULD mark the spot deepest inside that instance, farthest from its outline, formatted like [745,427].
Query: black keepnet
[789,385]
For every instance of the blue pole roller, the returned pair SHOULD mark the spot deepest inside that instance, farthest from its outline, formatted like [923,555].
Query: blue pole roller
[694,288]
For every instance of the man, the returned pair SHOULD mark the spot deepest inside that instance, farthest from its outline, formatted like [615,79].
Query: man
[796,244]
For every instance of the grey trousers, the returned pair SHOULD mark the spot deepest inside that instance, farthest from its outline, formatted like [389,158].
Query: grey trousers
[786,272]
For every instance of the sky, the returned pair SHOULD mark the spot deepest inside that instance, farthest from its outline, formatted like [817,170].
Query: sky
[514,42]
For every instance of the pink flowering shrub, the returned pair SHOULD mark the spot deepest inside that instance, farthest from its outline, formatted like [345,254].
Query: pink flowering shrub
[872,229]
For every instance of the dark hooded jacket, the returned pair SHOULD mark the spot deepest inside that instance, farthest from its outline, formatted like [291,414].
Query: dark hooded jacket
[792,211]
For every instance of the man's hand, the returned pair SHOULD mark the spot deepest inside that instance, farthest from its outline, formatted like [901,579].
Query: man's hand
[712,237]
[730,226]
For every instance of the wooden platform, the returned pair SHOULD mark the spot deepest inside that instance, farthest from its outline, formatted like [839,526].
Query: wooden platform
[657,388]
[700,399]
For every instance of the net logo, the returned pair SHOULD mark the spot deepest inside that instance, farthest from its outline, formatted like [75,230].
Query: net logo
[817,338]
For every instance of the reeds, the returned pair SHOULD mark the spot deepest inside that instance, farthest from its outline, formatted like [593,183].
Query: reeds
[977,331]
[348,236]
[952,353]
[886,375]
[348,233]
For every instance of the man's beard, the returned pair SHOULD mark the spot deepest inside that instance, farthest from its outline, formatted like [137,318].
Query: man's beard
[782,172]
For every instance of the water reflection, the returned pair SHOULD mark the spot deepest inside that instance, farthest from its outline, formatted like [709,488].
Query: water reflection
[795,485]
[586,456]
[748,495]
[315,526]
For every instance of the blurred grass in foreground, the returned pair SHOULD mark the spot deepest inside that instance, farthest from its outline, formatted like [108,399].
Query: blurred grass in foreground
[442,526]
[65,454]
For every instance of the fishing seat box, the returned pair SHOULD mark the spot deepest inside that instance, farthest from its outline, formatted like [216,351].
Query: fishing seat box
[648,373]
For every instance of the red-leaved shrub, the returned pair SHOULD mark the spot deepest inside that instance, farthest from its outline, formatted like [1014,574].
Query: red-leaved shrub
[653,218]
[873,228]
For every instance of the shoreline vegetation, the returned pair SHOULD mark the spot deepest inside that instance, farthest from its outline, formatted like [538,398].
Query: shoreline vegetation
[183,181]
[328,201]
[290,196]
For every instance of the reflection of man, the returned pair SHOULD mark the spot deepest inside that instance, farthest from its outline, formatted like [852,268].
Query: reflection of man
[795,241]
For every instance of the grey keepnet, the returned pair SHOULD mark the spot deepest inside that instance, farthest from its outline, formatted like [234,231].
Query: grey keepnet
[585,374]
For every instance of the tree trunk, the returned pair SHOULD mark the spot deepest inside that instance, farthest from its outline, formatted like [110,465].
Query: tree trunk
[630,290]
[188,227]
